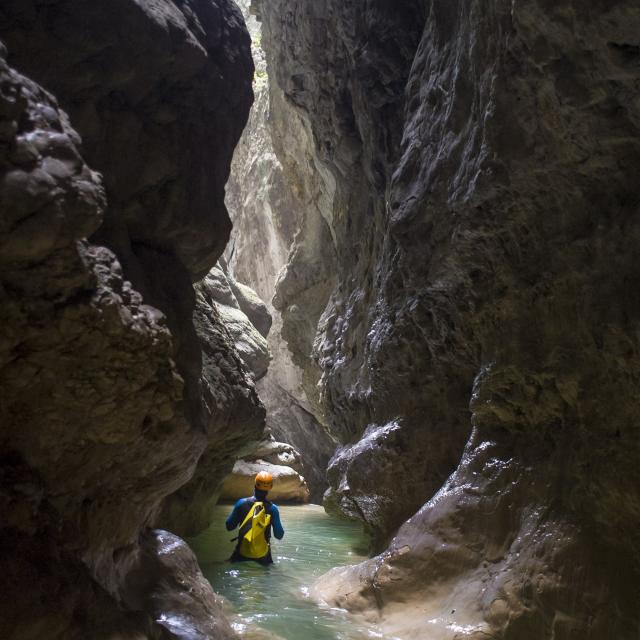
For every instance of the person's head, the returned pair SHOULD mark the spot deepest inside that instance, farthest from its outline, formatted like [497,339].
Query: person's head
[263,484]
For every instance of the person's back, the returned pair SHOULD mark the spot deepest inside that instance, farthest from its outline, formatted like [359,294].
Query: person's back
[257,518]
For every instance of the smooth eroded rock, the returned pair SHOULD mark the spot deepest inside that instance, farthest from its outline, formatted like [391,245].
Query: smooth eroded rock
[108,401]
[268,202]
[218,295]
[288,484]
[477,167]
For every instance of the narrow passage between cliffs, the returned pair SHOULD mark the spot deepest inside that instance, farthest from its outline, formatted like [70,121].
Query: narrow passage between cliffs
[277,602]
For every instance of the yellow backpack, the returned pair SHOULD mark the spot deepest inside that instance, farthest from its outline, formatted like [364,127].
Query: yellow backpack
[252,534]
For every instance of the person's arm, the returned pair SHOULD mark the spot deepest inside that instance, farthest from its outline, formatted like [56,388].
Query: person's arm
[234,518]
[278,531]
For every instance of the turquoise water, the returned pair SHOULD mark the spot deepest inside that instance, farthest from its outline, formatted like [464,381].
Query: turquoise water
[275,598]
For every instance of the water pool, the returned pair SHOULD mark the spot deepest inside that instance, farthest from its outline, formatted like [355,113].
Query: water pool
[275,598]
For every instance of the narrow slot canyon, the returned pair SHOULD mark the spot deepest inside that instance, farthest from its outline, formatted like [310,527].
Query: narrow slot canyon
[384,251]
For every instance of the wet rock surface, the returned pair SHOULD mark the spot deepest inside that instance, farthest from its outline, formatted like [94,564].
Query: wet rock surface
[181,600]
[351,313]
[111,389]
[482,205]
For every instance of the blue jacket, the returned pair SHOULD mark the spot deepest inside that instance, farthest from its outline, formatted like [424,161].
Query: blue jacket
[240,511]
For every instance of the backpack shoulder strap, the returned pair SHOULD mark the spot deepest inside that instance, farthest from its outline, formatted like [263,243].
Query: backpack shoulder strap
[245,525]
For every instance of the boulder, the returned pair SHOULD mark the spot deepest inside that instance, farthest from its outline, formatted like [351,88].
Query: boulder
[277,453]
[169,583]
[288,484]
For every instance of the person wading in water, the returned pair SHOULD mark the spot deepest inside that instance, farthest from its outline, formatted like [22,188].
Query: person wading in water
[257,517]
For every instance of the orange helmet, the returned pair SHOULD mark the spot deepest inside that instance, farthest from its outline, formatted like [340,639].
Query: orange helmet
[264,481]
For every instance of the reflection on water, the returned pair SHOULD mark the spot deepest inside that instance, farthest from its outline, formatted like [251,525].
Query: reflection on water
[275,598]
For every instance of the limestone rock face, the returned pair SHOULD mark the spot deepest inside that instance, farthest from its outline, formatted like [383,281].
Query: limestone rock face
[288,484]
[161,130]
[484,219]
[290,418]
[252,306]
[153,87]
[179,596]
[216,294]
[234,356]
[229,395]
[268,209]
[87,378]
[110,391]
[348,313]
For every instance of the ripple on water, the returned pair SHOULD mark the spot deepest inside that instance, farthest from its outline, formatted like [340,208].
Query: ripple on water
[276,599]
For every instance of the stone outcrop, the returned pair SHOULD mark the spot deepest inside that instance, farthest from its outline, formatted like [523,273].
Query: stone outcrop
[232,350]
[291,419]
[114,384]
[168,583]
[476,165]
[288,484]
[252,306]
[279,453]
[336,303]
[268,209]
[285,464]
[161,131]
[219,294]
[151,64]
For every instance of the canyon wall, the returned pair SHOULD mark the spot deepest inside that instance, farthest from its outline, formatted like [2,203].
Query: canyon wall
[116,377]
[477,207]
[269,209]
[233,359]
